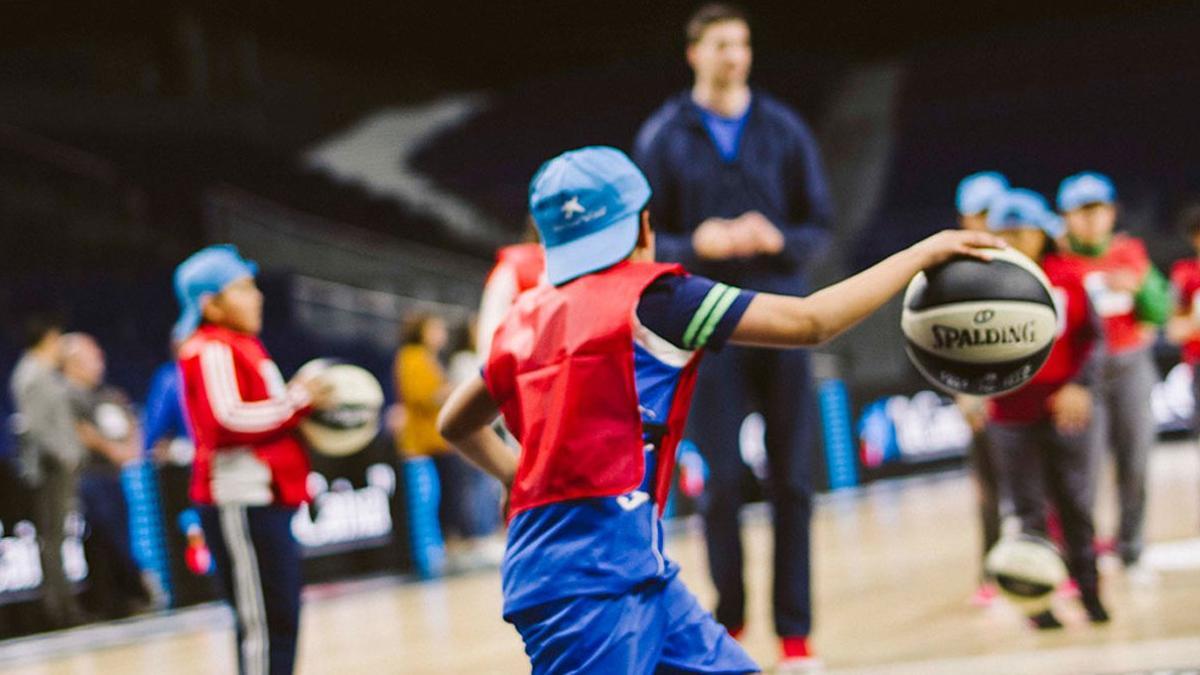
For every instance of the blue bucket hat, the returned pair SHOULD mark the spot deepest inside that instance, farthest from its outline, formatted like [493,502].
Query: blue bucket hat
[587,206]
[1085,188]
[975,192]
[1019,209]
[206,272]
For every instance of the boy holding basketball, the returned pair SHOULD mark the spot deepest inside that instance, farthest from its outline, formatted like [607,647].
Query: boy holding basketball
[250,471]
[593,373]
[1041,431]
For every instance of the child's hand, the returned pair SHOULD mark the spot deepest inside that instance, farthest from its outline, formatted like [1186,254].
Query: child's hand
[318,389]
[320,392]
[1071,408]
[948,244]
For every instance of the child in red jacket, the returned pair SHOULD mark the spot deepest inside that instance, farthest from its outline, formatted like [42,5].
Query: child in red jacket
[250,471]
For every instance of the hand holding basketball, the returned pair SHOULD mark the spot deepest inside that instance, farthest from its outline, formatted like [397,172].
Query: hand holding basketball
[318,389]
[944,245]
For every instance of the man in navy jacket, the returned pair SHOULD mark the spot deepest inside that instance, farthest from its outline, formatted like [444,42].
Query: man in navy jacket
[740,196]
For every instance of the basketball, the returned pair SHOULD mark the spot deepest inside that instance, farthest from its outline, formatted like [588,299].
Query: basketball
[1027,569]
[979,327]
[353,420]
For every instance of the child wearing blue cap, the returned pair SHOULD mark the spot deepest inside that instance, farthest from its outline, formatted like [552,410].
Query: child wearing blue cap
[1133,298]
[975,193]
[593,374]
[1041,433]
[250,471]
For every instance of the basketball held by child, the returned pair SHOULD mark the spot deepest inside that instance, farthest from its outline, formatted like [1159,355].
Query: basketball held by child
[980,327]
[351,421]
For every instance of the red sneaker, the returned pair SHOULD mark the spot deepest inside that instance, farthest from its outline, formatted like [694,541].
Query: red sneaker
[797,657]
[795,647]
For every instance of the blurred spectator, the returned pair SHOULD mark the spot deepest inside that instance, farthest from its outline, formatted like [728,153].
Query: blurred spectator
[422,386]
[974,195]
[109,431]
[421,383]
[1132,298]
[50,456]
[740,196]
[167,437]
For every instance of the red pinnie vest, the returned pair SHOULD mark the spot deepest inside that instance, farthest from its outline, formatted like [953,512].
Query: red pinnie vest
[1122,328]
[561,371]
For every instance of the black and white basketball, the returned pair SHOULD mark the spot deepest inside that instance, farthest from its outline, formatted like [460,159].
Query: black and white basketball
[980,327]
[352,422]
[1027,569]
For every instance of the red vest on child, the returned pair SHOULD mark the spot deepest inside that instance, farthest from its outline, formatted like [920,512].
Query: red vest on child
[1123,331]
[561,370]
[1185,278]
[1072,346]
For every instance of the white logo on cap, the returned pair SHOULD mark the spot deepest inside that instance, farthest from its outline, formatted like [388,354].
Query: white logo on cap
[572,207]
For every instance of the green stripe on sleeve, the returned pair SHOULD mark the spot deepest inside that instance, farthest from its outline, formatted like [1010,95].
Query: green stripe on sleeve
[716,315]
[697,322]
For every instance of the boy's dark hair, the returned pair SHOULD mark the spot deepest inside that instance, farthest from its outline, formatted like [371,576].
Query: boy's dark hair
[708,14]
[1188,221]
[36,324]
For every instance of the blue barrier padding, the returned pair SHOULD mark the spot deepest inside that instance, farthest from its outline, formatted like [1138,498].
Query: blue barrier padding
[424,493]
[839,440]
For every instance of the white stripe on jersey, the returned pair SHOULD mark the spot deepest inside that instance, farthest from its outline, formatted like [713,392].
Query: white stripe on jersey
[230,411]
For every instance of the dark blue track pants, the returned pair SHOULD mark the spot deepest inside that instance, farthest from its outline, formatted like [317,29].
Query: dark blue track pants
[258,567]
[731,384]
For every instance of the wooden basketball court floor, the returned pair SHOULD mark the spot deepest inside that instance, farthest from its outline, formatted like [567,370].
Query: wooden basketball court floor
[895,565]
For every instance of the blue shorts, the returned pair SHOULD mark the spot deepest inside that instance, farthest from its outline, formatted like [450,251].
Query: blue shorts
[657,627]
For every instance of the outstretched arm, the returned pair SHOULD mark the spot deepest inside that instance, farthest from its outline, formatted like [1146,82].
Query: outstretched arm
[466,423]
[786,321]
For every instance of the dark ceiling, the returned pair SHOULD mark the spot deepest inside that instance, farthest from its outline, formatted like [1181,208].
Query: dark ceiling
[473,44]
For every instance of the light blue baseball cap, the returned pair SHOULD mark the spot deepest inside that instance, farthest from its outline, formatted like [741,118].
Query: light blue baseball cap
[206,272]
[587,206]
[1019,209]
[976,191]
[1085,188]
